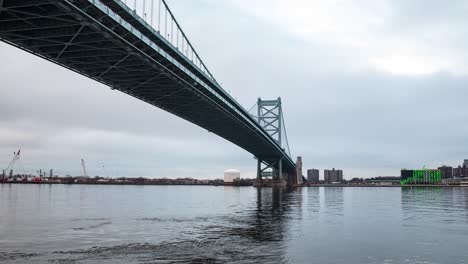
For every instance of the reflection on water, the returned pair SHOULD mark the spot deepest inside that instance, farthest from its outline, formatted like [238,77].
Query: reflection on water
[97,229]
[442,204]
[333,202]
[206,224]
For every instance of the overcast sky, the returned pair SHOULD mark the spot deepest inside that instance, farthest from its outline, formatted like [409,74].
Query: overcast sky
[368,86]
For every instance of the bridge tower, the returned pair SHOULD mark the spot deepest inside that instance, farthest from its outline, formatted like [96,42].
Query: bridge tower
[270,118]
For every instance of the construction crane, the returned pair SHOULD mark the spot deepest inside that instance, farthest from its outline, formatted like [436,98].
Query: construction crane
[84,168]
[16,156]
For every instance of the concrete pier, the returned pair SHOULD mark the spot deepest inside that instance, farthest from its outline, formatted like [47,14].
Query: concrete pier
[270,183]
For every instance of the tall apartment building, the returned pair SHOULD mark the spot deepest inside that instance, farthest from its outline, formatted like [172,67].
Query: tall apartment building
[333,175]
[313,175]
[446,172]
[460,172]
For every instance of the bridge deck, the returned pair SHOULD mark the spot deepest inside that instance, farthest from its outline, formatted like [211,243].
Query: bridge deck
[107,42]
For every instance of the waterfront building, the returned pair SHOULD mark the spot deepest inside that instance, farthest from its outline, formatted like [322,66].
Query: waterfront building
[424,176]
[460,172]
[356,181]
[446,172]
[331,176]
[384,180]
[313,175]
[465,163]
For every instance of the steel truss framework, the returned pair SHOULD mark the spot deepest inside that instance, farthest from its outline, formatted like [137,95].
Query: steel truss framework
[270,118]
[269,115]
[106,41]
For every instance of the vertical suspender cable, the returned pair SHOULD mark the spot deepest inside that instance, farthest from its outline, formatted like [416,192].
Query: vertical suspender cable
[159,17]
[285,134]
[152,11]
[144,10]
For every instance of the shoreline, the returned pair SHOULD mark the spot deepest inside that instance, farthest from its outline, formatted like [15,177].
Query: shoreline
[376,185]
[231,185]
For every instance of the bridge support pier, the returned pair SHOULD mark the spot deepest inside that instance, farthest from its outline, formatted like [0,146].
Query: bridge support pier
[259,169]
[272,169]
[276,175]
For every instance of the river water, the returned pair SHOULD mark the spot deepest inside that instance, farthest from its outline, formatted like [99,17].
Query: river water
[208,224]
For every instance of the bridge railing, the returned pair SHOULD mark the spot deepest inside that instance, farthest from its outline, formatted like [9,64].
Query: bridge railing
[158,15]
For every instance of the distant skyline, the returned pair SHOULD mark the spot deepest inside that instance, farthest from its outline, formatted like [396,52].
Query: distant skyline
[368,87]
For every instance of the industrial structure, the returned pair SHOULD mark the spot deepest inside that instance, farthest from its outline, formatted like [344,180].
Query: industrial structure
[270,118]
[142,51]
[423,176]
[83,166]
[230,176]
[9,168]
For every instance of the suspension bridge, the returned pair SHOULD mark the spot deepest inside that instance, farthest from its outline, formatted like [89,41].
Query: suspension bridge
[138,48]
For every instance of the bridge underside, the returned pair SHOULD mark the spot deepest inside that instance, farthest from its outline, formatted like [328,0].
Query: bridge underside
[106,42]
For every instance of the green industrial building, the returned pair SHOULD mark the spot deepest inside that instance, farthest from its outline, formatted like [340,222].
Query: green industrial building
[423,176]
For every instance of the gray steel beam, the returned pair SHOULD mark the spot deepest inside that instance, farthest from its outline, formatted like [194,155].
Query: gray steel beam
[50,44]
[80,49]
[269,117]
[147,81]
[26,3]
[48,33]
[70,42]
[105,65]
[4,28]
[88,54]
[32,16]
[20,19]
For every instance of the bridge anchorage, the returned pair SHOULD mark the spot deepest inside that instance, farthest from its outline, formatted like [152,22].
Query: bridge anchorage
[138,48]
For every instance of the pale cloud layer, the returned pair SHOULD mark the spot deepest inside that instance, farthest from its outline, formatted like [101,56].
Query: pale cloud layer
[367,86]
[396,37]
